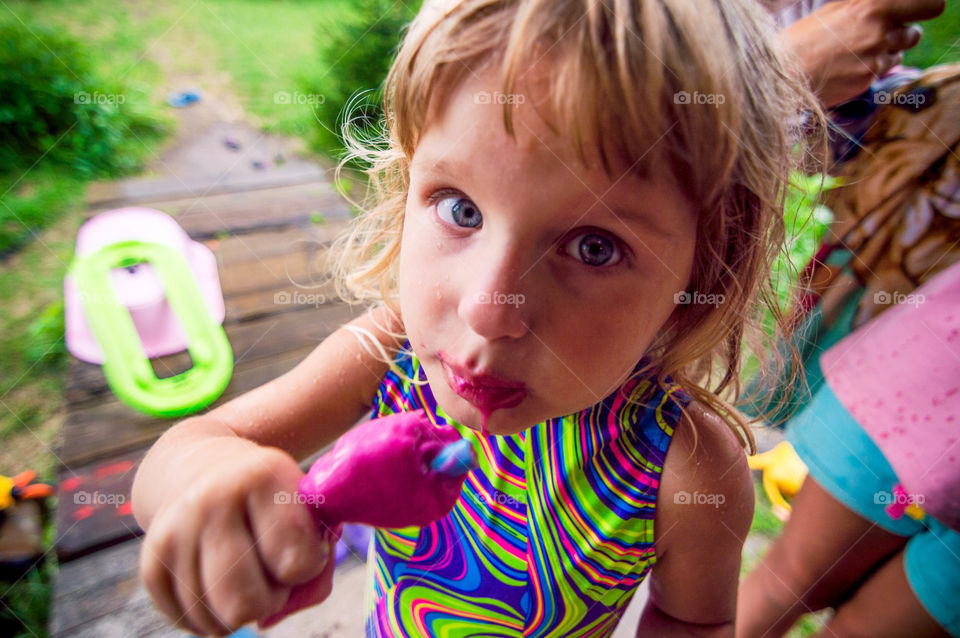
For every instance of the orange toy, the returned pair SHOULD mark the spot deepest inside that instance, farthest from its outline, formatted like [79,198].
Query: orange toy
[19,488]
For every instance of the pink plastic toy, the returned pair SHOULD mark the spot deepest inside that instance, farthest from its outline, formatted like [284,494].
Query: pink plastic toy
[139,287]
[397,471]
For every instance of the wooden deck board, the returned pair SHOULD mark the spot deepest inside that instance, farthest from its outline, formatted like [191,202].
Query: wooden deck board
[267,243]
[250,341]
[101,596]
[138,191]
[264,231]
[94,505]
[103,589]
[111,427]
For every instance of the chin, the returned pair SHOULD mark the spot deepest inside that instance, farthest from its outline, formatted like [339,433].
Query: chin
[501,422]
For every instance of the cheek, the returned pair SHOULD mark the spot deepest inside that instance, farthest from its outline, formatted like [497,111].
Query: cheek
[608,333]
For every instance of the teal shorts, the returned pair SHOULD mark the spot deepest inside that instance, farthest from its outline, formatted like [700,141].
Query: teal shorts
[845,461]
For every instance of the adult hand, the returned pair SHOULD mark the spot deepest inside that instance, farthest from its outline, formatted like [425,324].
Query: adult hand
[845,45]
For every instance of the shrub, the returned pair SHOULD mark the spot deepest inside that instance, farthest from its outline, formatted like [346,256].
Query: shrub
[61,124]
[54,107]
[355,55]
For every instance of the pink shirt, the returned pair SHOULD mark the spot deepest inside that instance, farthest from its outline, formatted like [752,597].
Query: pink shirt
[899,376]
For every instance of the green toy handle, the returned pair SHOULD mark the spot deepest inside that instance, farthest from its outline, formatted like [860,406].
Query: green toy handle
[126,366]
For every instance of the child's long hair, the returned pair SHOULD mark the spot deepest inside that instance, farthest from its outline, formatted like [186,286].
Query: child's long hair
[697,85]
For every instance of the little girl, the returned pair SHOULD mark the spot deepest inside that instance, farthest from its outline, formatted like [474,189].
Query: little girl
[576,212]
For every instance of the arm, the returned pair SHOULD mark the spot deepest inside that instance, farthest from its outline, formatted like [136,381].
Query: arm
[222,548]
[703,515]
[843,46]
[298,412]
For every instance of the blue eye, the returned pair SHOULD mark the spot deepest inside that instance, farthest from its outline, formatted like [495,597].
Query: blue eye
[459,211]
[593,249]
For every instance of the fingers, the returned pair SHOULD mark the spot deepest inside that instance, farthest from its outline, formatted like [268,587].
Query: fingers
[170,572]
[190,595]
[903,37]
[914,10]
[235,586]
[158,581]
[304,595]
[290,546]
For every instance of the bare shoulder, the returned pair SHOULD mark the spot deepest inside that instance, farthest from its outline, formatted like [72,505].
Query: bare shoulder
[705,465]
[703,514]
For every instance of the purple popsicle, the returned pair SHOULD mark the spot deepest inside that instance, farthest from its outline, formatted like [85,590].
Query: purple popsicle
[397,471]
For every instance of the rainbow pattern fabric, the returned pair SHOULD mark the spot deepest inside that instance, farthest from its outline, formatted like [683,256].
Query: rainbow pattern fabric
[551,536]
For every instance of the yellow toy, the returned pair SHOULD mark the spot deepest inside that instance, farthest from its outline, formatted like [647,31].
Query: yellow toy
[18,488]
[783,474]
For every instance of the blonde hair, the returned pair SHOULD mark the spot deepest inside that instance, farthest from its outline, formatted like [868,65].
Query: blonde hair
[624,73]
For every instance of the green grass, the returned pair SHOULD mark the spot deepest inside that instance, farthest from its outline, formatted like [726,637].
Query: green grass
[765,522]
[42,194]
[36,192]
[33,200]
[941,40]
[43,203]
[270,51]
[25,608]
[32,354]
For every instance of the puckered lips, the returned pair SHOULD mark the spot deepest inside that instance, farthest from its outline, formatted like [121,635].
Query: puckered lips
[486,391]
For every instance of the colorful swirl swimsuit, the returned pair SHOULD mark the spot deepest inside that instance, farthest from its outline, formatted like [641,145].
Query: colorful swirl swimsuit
[552,533]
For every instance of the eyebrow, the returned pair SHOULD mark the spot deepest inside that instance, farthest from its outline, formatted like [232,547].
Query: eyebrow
[615,214]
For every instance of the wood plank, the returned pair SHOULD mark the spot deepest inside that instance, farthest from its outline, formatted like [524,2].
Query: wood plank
[268,243]
[94,505]
[264,243]
[110,427]
[294,267]
[207,216]
[250,341]
[101,595]
[118,562]
[286,297]
[202,218]
[190,203]
[140,190]
[230,249]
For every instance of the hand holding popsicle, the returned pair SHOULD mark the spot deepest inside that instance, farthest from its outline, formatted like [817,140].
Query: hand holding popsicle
[396,471]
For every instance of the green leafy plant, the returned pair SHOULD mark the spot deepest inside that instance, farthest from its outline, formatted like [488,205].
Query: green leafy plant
[45,335]
[55,108]
[61,124]
[355,56]
[806,220]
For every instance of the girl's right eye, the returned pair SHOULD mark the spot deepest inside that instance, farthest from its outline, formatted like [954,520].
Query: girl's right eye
[457,210]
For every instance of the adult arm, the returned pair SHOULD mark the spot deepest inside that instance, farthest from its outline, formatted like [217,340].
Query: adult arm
[843,46]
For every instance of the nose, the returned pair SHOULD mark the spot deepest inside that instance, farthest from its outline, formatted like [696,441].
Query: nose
[493,303]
